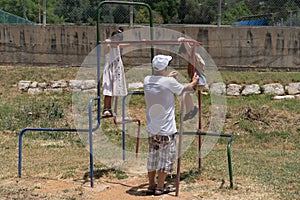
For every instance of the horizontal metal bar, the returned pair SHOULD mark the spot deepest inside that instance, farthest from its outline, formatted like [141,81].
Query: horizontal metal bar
[43,129]
[136,92]
[153,42]
[54,129]
[209,134]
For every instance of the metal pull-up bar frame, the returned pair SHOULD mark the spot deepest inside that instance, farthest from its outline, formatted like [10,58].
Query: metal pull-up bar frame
[91,129]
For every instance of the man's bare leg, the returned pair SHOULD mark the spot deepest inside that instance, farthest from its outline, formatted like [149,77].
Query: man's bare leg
[151,178]
[161,179]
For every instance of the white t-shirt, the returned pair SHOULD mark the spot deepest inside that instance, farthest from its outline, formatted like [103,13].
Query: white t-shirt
[160,104]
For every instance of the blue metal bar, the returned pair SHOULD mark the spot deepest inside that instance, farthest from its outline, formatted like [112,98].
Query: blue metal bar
[91,139]
[39,129]
[98,42]
[90,131]
[98,82]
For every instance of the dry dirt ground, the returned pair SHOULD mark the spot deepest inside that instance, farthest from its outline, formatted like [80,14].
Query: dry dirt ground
[132,188]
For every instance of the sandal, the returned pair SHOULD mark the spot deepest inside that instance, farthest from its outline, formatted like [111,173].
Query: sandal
[151,190]
[107,112]
[164,190]
[159,191]
[190,114]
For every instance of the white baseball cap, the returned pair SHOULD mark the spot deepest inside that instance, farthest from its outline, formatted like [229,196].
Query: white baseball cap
[160,62]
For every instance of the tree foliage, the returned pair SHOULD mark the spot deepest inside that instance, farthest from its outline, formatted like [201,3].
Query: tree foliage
[142,17]
[233,13]
[121,14]
[22,8]
[72,10]
[164,11]
[198,12]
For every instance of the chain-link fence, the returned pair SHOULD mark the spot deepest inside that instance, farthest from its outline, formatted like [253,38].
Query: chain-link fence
[7,18]
[212,12]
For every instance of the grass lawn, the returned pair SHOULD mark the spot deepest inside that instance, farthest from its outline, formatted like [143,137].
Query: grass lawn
[265,149]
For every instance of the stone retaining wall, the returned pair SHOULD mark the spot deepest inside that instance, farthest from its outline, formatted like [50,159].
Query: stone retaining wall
[292,90]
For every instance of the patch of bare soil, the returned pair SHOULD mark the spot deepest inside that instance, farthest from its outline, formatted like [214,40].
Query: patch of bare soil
[132,188]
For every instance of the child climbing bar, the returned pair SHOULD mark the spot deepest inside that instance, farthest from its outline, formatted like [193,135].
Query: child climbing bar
[114,83]
[186,51]
[195,65]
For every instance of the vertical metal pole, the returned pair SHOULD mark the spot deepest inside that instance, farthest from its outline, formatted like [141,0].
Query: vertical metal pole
[44,12]
[151,32]
[25,9]
[131,15]
[179,146]
[229,163]
[98,68]
[138,139]
[98,82]
[296,20]
[20,154]
[129,3]
[219,12]
[291,18]
[123,129]
[39,8]
[91,142]
[200,129]
[178,165]
[199,110]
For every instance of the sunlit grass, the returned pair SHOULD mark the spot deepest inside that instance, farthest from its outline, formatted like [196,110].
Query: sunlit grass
[265,149]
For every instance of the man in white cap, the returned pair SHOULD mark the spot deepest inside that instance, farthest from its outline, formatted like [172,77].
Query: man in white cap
[160,111]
